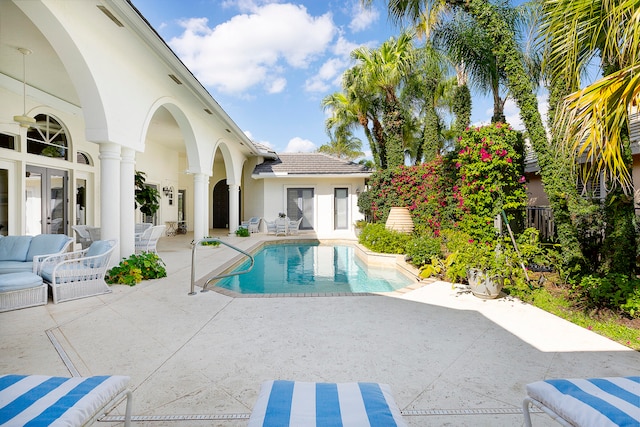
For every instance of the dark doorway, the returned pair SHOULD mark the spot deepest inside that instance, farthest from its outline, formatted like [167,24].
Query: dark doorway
[221,205]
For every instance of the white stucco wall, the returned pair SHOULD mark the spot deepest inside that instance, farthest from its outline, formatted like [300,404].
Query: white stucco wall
[275,191]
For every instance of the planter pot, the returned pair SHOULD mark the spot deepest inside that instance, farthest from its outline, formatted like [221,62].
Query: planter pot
[400,220]
[483,286]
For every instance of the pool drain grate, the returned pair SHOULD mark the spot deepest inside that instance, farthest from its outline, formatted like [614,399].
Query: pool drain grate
[244,416]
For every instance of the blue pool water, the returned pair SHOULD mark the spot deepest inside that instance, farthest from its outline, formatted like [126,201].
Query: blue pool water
[312,269]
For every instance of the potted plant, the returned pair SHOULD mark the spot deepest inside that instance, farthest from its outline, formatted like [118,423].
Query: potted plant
[487,266]
[146,197]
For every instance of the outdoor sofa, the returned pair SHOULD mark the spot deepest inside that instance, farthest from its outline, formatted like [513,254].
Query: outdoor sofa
[17,252]
[20,286]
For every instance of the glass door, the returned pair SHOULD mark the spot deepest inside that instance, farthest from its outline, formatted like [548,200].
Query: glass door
[300,205]
[46,201]
[341,208]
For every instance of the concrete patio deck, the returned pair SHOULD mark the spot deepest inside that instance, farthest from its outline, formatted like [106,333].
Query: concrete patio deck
[202,357]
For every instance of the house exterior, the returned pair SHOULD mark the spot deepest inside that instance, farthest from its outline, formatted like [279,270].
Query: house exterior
[320,189]
[90,94]
[539,212]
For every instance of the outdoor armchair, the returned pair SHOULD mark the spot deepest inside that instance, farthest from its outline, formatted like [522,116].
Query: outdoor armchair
[82,235]
[253,225]
[77,274]
[294,226]
[149,239]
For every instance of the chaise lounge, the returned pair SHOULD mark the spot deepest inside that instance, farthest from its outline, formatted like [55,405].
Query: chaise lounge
[42,400]
[296,403]
[594,402]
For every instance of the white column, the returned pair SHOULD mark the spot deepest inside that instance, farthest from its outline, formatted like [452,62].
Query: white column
[200,200]
[127,205]
[234,208]
[110,195]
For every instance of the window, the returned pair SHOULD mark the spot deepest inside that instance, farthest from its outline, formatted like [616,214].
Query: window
[83,158]
[591,189]
[47,138]
[7,141]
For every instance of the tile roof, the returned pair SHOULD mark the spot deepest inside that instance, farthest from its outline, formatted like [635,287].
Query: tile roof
[309,164]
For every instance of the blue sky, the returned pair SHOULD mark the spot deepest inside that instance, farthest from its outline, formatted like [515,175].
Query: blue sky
[269,63]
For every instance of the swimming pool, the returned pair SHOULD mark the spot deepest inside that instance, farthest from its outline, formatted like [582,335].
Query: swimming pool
[312,268]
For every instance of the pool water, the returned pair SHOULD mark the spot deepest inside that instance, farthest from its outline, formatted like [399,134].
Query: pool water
[312,268]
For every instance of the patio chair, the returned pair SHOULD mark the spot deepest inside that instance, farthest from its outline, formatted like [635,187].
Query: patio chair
[149,239]
[82,235]
[271,227]
[79,274]
[43,400]
[294,226]
[594,402]
[253,225]
[281,226]
[295,403]
[141,227]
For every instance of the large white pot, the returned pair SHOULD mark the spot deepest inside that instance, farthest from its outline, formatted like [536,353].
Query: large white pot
[400,220]
[484,286]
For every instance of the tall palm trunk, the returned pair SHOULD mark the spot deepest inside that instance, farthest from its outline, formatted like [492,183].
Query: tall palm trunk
[393,132]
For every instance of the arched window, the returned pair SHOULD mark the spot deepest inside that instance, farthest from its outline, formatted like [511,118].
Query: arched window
[47,138]
[83,158]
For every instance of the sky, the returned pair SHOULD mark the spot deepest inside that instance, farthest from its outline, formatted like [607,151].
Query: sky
[269,63]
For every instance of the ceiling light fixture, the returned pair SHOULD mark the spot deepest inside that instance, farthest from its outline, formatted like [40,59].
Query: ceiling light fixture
[24,120]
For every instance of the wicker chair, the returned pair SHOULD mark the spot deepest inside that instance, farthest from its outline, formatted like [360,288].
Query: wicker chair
[77,274]
[294,226]
[82,235]
[149,239]
[253,225]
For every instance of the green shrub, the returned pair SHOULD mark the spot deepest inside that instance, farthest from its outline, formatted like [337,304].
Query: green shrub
[136,268]
[615,291]
[242,232]
[378,239]
[490,179]
[420,250]
[210,243]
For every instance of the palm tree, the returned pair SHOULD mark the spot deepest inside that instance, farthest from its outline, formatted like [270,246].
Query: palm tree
[383,71]
[343,145]
[574,33]
[593,121]
[354,107]
[509,55]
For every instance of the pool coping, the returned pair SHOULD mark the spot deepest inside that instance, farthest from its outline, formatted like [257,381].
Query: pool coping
[365,255]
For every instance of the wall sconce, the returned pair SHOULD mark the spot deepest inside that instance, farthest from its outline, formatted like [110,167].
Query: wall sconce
[168,192]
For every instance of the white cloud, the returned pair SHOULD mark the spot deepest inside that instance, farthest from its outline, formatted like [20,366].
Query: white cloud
[512,112]
[363,17]
[255,48]
[330,74]
[299,145]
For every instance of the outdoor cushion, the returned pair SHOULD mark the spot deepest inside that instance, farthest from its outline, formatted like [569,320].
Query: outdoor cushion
[44,244]
[14,248]
[594,402]
[98,248]
[17,281]
[15,266]
[42,401]
[301,404]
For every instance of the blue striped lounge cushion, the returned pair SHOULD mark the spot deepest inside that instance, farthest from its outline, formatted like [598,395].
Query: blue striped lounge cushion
[308,404]
[597,402]
[38,400]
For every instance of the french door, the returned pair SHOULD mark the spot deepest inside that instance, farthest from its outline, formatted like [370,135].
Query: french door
[46,201]
[300,205]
